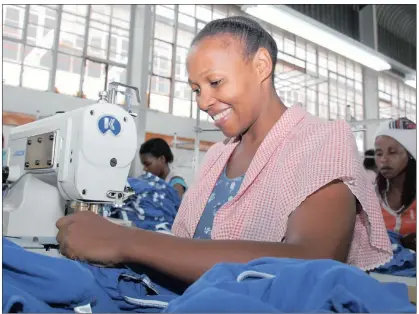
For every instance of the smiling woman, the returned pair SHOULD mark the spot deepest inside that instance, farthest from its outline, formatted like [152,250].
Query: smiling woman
[283,184]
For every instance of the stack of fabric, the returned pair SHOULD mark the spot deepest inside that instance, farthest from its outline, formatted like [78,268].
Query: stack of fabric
[287,285]
[403,262]
[38,283]
[35,283]
[153,207]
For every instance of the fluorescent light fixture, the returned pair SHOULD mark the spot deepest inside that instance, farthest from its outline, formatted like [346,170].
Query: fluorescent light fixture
[296,23]
[410,80]
[411,83]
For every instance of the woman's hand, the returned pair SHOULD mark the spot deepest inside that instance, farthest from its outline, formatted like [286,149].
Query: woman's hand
[86,236]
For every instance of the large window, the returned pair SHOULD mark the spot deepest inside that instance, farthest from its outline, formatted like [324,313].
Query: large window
[396,99]
[70,49]
[323,82]
[174,29]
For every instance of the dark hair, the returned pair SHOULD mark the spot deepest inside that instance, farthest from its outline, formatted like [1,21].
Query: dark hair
[157,147]
[409,185]
[245,29]
[369,161]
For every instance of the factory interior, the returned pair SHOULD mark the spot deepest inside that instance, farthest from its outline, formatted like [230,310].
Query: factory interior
[209,158]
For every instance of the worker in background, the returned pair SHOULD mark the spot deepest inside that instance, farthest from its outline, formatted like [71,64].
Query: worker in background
[284,183]
[370,166]
[395,156]
[156,155]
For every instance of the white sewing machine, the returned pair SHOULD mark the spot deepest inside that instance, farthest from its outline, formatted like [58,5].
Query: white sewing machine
[78,160]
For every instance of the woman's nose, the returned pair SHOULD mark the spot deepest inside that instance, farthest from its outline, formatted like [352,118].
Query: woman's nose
[205,102]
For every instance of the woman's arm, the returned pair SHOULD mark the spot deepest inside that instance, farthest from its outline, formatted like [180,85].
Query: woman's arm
[179,189]
[179,185]
[321,227]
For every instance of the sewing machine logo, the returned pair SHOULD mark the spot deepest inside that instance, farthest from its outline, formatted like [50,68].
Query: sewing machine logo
[109,123]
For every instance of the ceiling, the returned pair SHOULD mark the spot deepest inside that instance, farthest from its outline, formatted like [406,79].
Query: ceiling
[399,19]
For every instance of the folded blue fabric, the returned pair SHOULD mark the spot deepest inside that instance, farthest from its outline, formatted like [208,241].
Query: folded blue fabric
[403,262]
[154,205]
[38,283]
[290,285]
[130,291]
[42,283]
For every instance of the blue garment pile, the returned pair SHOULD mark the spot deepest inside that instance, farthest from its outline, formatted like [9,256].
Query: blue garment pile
[35,283]
[403,262]
[154,205]
[270,285]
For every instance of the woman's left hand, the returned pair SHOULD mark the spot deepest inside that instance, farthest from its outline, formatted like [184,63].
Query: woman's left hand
[85,236]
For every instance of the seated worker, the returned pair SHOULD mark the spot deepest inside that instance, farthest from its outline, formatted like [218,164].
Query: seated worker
[370,166]
[395,156]
[156,155]
[283,184]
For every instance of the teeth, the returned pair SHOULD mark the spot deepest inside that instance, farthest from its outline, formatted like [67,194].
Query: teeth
[222,114]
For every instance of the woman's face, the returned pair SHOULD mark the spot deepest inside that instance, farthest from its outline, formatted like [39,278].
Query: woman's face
[227,85]
[152,164]
[390,156]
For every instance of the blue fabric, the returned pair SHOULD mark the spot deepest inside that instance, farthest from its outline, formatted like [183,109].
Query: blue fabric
[38,283]
[130,291]
[178,180]
[225,189]
[403,262]
[291,285]
[154,205]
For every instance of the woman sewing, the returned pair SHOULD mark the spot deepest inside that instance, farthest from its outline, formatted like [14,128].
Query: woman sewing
[283,184]
[156,156]
[395,156]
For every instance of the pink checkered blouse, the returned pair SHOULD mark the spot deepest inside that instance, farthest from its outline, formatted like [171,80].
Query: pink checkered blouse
[300,154]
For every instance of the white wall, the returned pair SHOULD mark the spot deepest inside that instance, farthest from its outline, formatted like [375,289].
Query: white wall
[24,100]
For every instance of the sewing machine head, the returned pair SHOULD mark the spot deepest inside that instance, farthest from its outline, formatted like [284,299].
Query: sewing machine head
[78,160]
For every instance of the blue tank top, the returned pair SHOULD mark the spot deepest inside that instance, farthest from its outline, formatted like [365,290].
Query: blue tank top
[225,189]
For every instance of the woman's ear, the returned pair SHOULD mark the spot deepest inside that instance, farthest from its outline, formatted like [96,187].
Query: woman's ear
[263,64]
[162,159]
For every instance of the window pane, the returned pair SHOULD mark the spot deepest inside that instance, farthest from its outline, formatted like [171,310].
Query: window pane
[98,43]
[160,85]
[289,46]
[203,12]
[122,13]
[162,58]
[187,22]
[13,17]
[38,57]
[159,102]
[184,38]
[181,71]
[35,78]
[163,31]
[119,50]
[73,24]
[165,13]
[181,107]
[101,9]
[187,9]
[117,74]
[71,44]
[11,73]
[12,51]
[67,77]
[94,79]
[183,91]
[79,9]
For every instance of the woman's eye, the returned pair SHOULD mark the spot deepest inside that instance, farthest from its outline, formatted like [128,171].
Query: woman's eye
[196,91]
[215,83]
